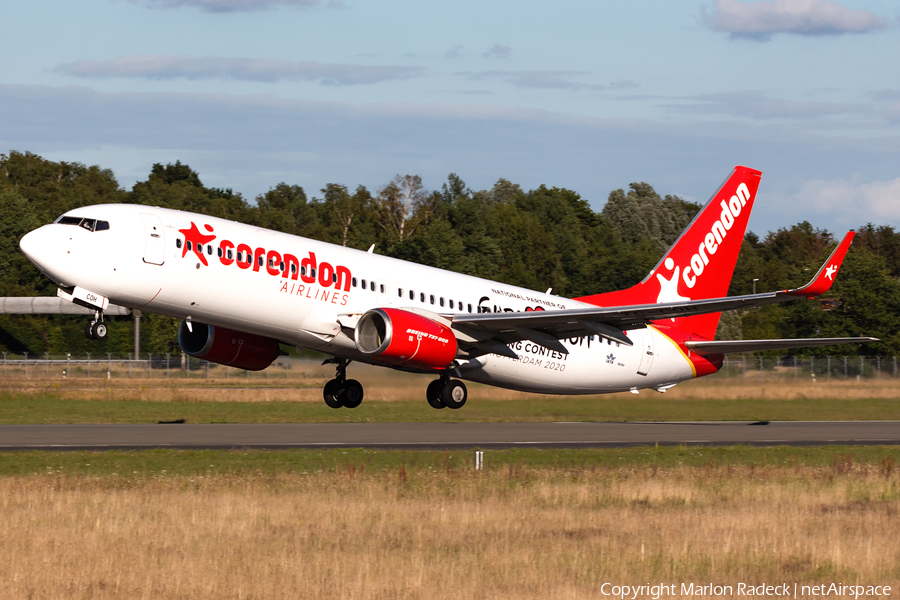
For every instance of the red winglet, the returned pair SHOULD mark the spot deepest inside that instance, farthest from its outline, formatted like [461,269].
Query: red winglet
[821,283]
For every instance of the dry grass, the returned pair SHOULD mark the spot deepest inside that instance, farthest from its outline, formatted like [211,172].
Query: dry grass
[306,379]
[506,533]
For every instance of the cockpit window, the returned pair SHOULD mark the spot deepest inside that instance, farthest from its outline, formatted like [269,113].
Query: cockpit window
[89,224]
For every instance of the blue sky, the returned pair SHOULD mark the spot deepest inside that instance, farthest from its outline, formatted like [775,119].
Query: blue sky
[585,95]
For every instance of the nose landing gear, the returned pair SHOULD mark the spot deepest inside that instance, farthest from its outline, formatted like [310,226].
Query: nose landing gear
[341,391]
[96,329]
[446,393]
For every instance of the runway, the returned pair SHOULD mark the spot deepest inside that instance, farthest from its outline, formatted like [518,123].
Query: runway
[424,436]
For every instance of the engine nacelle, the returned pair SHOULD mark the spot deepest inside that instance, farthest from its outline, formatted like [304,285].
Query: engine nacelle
[405,338]
[228,347]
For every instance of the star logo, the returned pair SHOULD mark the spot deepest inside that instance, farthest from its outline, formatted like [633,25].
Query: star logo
[194,237]
[830,271]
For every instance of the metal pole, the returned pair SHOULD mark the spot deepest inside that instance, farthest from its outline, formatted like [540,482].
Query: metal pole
[795,366]
[137,334]
[109,365]
[845,367]
[46,364]
[26,365]
[89,365]
[828,366]
[187,366]
[812,366]
[862,366]
[167,365]
[129,365]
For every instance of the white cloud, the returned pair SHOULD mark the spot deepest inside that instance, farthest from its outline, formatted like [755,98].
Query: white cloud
[876,202]
[498,51]
[544,80]
[222,6]
[760,19]
[756,106]
[245,69]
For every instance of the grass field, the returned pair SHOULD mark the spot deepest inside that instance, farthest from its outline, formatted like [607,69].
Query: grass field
[392,397]
[399,397]
[395,524]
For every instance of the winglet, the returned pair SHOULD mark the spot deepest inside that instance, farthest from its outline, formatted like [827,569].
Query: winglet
[821,283]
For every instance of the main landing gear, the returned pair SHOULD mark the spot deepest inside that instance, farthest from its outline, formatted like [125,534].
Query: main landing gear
[341,391]
[446,392]
[96,329]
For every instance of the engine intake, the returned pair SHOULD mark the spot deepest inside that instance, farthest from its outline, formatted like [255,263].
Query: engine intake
[405,338]
[228,347]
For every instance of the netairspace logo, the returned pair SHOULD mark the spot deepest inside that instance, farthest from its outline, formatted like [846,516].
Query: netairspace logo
[781,590]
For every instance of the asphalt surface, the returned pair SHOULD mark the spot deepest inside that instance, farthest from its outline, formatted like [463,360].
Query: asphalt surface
[445,435]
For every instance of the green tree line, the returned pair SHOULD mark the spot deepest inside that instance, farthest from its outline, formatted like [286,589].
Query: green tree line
[540,238]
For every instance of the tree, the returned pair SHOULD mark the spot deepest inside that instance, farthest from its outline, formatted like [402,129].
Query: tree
[396,204]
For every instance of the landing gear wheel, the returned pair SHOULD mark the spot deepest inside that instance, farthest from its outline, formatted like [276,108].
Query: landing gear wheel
[100,330]
[331,394]
[433,394]
[454,394]
[351,393]
[96,330]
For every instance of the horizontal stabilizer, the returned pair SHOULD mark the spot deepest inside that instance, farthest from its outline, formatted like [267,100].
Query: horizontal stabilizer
[732,346]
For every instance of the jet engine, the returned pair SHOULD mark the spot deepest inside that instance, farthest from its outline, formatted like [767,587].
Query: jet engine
[406,339]
[228,347]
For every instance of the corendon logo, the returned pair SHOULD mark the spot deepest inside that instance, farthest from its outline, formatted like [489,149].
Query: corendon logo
[731,209]
[275,264]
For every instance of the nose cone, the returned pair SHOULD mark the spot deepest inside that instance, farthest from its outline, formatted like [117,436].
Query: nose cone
[44,249]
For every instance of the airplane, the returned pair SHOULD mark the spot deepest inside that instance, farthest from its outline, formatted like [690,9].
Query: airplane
[241,291]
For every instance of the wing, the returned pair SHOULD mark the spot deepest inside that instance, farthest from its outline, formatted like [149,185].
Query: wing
[492,332]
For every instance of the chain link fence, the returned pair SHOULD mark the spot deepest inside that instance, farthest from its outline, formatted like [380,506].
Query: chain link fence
[809,367]
[171,366]
[152,366]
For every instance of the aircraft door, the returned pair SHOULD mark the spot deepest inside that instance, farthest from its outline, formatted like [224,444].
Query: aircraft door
[646,345]
[155,248]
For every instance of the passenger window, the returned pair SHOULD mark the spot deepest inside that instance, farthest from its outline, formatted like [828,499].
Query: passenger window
[293,268]
[399,292]
[451,304]
[189,245]
[422,297]
[412,295]
[219,252]
[442,301]
[470,308]
[353,282]
[228,253]
[240,257]
[209,249]
[303,271]
[260,261]
[312,272]
[102,226]
[372,286]
[381,288]
[432,298]
[281,266]
[178,243]
[334,278]
[364,286]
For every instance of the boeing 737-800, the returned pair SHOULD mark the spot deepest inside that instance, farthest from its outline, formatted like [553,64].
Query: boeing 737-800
[241,291]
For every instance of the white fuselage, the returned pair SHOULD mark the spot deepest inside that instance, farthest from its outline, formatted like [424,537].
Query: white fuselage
[142,261]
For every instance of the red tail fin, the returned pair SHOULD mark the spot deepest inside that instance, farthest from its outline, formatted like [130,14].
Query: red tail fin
[701,262]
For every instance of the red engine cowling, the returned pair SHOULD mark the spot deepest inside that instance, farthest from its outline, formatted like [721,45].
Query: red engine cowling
[405,338]
[228,347]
